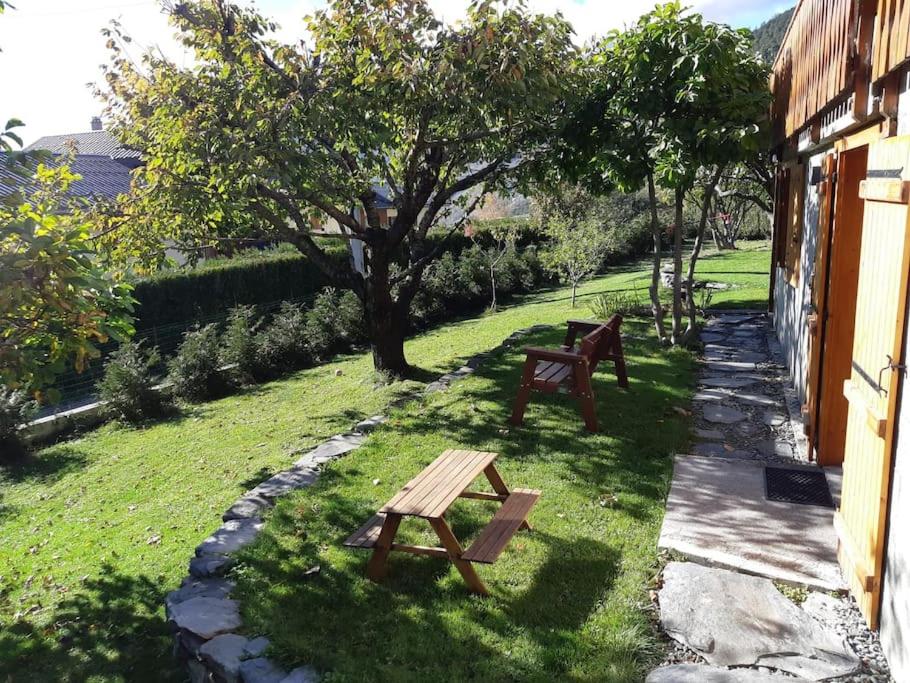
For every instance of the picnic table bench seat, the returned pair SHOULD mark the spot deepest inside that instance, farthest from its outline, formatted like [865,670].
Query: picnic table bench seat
[496,535]
[429,496]
[571,367]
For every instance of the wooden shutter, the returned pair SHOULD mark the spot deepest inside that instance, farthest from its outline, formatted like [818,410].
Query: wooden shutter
[795,223]
[874,385]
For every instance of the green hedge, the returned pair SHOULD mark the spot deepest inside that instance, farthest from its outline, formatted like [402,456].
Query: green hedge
[208,291]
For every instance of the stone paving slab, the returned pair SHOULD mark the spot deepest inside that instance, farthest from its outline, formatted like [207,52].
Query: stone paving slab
[717,514]
[701,673]
[733,619]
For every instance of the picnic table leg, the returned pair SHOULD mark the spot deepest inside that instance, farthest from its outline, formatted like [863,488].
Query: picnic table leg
[524,392]
[376,569]
[621,377]
[585,393]
[500,487]
[453,547]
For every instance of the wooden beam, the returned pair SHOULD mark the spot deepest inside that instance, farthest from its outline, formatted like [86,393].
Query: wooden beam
[864,575]
[877,423]
[891,190]
[483,495]
[421,550]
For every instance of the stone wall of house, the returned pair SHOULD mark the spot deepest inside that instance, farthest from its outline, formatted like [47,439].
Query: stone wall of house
[895,620]
[792,305]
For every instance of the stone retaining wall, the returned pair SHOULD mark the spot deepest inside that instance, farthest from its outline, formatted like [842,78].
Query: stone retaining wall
[202,614]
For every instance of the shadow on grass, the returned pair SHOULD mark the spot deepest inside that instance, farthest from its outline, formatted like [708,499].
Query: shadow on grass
[111,629]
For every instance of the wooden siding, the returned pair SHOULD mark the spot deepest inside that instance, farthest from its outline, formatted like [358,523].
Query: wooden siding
[892,37]
[815,63]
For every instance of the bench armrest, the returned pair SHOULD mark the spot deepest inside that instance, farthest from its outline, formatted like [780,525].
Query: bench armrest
[553,355]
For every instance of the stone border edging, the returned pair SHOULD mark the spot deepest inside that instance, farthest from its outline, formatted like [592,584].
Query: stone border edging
[201,612]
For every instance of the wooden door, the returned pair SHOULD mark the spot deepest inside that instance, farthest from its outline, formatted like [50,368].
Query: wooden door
[819,290]
[874,383]
[838,316]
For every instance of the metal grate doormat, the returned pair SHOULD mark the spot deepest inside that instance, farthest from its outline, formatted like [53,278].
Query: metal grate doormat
[804,487]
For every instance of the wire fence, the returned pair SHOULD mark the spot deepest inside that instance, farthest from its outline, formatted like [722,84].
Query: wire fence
[80,388]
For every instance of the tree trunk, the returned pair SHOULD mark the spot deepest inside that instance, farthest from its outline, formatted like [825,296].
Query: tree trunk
[574,291]
[493,286]
[676,334]
[387,321]
[707,199]
[654,289]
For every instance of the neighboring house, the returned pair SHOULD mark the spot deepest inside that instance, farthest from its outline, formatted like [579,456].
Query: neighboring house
[97,143]
[387,213]
[840,275]
[102,178]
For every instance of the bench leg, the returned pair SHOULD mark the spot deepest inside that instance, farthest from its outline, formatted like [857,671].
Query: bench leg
[585,394]
[451,544]
[524,392]
[377,567]
[620,363]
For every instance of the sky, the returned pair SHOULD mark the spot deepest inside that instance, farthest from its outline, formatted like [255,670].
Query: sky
[52,49]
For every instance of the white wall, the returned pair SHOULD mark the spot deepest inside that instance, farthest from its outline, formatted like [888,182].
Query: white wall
[792,304]
[895,621]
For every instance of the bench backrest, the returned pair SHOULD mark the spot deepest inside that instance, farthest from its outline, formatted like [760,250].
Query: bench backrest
[600,343]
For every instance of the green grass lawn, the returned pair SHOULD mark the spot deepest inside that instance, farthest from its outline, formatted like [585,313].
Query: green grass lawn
[566,600]
[98,529]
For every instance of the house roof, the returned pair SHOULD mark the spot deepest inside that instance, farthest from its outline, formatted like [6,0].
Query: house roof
[382,197]
[102,177]
[95,142]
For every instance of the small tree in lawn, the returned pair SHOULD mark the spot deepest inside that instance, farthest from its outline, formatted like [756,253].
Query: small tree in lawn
[504,234]
[668,97]
[577,249]
[264,139]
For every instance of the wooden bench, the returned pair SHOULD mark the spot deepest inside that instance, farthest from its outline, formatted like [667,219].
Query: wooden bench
[571,366]
[429,496]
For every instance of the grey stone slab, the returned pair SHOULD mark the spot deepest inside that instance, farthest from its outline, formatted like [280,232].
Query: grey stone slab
[298,477]
[261,670]
[210,566]
[776,447]
[726,382]
[773,419]
[712,395]
[198,588]
[247,506]
[223,654]
[749,356]
[712,338]
[709,434]
[230,537]
[734,619]
[701,673]
[256,647]
[709,449]
[717,513]
[756,399]
[206,617]
[723,414]
[370,424]
[332,448]
[302,674]
[731,366]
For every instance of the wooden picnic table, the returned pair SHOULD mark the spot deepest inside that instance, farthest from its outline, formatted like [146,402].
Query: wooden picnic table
[429,496]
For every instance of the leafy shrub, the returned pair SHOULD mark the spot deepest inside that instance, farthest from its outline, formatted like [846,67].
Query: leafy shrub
[334,322]
[15,409]
[624,303]
[194,372]
[126,386]
[239,349]
[282,346]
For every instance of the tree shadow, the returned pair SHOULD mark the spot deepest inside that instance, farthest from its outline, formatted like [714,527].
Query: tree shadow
[44,468]
[111,628]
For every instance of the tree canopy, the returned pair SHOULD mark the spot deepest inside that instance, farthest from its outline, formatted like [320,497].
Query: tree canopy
[667,98]
[270,139]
